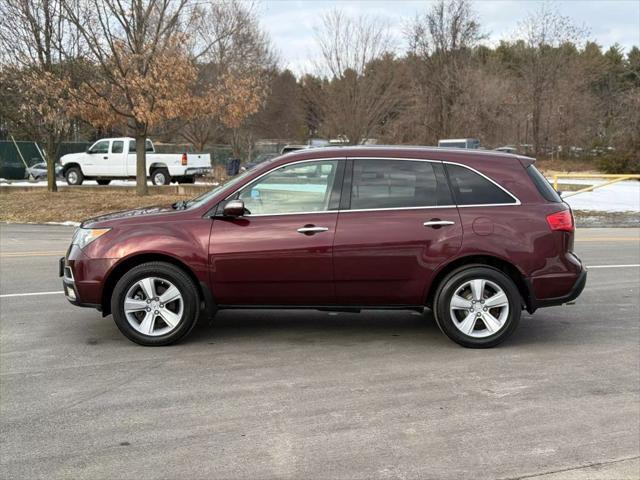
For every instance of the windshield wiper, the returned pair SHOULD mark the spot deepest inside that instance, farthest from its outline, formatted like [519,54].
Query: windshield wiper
[180,205]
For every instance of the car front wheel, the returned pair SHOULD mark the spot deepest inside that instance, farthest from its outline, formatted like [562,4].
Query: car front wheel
[477,306]
[155,303]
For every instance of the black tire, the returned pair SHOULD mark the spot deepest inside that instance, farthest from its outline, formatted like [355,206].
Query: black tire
[103,181]
[160,176]
[74,176]
[187,180]
[162,271]
[456,280]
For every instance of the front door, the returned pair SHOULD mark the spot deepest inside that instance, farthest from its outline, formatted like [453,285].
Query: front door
[280,251]
[397,226]
[96,159]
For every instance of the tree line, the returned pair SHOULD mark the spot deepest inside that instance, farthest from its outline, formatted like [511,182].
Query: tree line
[206,73]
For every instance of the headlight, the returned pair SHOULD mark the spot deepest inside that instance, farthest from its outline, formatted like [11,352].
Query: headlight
[84,236]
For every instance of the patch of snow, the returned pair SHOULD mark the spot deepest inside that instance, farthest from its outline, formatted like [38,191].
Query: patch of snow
[619,197]
[114,183]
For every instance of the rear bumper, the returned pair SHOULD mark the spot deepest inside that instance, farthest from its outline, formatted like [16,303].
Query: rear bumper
[197,171]
[575,291]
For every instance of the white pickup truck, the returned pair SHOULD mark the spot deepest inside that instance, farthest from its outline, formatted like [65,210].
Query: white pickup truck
[115,158]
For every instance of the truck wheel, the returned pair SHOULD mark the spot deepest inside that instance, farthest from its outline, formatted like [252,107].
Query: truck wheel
[74,176]
[103,182]
[160,177]
[187,180]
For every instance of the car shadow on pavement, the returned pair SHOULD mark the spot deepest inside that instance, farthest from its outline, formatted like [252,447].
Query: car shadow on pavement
[310,326]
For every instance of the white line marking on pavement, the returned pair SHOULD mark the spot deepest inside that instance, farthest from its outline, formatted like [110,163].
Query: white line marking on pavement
[615,266]
[8,295]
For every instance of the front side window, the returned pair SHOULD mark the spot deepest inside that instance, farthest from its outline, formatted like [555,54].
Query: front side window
[117,146]
[471,188]
[301,187]
[397,184]
[101,147]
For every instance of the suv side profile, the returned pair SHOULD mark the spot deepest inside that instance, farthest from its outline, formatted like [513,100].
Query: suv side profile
[475,236]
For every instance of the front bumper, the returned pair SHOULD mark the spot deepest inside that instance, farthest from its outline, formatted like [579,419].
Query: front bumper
[575,291]
[74,292]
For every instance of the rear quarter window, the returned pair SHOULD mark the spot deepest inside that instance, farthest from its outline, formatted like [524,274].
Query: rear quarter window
[543,185]
[471,188]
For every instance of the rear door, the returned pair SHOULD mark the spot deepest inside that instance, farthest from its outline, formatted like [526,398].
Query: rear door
[280,251]
[116,165]
[397,224]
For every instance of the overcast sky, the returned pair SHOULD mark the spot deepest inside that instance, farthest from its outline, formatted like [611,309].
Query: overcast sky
[291,22]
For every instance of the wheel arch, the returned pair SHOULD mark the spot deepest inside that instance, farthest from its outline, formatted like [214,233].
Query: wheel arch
[68,166]
[157,166]
[138,259]
[487,260]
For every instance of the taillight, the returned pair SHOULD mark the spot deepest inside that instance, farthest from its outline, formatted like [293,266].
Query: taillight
[562,221]
[184,159]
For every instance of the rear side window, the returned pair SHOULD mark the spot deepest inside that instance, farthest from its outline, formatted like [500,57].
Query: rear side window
[397,184]
[543,186]
[116,146]
[471,188]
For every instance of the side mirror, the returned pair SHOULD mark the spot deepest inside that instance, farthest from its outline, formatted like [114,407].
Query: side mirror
[88,150]
[233,208]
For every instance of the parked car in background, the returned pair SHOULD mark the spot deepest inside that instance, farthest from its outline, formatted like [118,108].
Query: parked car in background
[115,158]
[263,157]
[39,171]
[476,236]
[459,143]
[507,149]
[292,148]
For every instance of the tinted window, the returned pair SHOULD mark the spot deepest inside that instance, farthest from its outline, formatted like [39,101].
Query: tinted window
[301,187]
[100,147]
[117,146]
[132,146]
[470,188]
[543,186]
[397,184]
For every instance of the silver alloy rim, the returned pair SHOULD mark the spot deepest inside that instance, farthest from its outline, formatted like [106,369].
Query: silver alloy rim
[479,308]
[73,177]
[153,306]
[159,177]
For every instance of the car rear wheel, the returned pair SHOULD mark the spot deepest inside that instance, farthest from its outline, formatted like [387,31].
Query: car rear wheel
[155,303]
[160,177]
[74,176]
[477,306]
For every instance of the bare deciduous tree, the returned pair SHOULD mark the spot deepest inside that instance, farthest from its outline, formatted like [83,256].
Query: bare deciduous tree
[35,44]
[440,46]
[363,88]
[543,60]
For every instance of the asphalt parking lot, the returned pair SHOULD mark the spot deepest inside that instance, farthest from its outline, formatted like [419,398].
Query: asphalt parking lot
[274,394]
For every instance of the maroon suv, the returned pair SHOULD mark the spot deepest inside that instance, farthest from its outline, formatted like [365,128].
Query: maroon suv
[475,236]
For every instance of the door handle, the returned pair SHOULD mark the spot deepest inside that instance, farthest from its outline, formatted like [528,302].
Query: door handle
[105,158]
[437,223]
[310,230]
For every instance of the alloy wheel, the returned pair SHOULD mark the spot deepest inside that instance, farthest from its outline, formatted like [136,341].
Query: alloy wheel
[153,306]
[479,308]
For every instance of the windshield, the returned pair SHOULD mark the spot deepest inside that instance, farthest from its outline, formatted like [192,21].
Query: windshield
[205,197]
